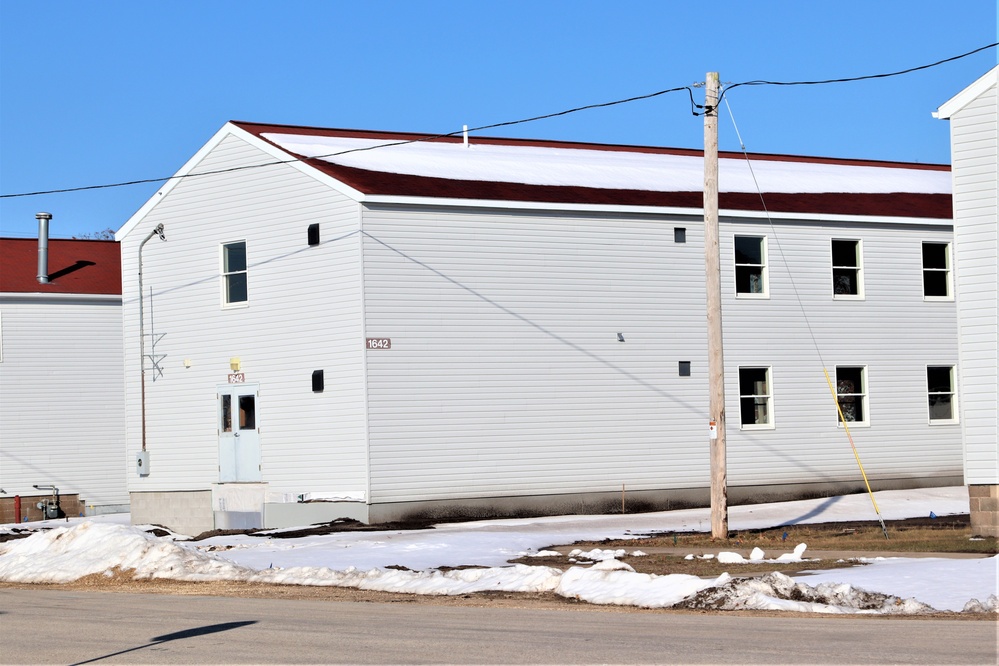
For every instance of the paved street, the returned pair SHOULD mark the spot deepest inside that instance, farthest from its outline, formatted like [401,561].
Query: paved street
[52,626]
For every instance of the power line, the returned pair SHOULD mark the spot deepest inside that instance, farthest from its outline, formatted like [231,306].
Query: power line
[853,78]
[690,92]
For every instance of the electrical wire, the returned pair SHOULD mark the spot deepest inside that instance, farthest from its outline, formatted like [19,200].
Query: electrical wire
[434,137]
[851,79]
[808,325]
[694,107]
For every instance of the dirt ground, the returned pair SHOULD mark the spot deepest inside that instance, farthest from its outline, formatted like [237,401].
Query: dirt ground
[954,531]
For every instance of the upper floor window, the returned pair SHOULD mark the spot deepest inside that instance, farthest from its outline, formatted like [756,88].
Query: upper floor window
[940,391]
[851,392]
[754,398]
[750,266]
[234,287]
[936,271]
[846,269]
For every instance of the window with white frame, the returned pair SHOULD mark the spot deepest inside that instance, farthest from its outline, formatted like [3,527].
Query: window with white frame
[851,392]
[846,269]
[936,271]
[940,392]
[234,283]
[755,406]
[750,266]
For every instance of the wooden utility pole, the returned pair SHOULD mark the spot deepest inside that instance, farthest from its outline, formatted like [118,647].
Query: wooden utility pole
[716,363]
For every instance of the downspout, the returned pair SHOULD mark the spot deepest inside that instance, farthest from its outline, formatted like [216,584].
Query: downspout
[142,331]
[43,246]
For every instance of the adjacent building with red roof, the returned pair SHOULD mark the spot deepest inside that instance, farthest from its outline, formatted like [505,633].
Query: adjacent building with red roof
[61,378]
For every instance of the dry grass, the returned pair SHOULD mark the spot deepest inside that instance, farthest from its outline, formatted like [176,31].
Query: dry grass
[857,539]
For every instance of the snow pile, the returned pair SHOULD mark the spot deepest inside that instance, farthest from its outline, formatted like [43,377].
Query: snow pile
[64,554]
[518,578]
[775,591]
[757,556]
[614,582]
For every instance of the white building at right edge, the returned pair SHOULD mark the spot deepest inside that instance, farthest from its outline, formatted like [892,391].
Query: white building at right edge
[974,118]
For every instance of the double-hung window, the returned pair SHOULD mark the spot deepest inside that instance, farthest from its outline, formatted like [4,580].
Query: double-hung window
[936,271]
[940,392]
[851,392]
[751,266]
[234,283]
[846,269]
[755,406]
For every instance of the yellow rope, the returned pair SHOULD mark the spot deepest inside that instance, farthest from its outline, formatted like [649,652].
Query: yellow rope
[846,428]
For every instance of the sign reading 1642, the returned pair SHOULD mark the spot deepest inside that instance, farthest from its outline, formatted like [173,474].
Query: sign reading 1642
[378,343]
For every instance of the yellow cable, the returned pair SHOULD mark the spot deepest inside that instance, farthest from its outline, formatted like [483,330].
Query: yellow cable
[856,455]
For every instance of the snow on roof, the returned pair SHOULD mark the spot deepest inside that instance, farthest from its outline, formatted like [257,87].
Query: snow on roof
[75,267]
[526,170]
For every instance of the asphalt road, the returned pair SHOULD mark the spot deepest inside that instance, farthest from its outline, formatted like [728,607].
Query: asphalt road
[53,626]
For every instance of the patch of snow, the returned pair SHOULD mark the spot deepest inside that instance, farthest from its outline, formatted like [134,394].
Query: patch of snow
[61,551]
[616,169]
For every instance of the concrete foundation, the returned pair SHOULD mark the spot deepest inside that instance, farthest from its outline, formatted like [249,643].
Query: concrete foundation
[294,514]
[184,511]
[245,506]
[984,501]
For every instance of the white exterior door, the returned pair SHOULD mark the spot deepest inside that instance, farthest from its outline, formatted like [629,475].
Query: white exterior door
[239,436]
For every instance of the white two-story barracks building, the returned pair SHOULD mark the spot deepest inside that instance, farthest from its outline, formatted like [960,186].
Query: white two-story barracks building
[401,326]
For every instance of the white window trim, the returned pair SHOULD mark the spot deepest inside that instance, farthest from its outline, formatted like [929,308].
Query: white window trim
[764,272]
[771,413]
[954,419]
[222,277]
[865,393]
[949,271]
[860,295]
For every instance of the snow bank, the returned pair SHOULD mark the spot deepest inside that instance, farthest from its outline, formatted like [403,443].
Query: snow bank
[64,554]
[67,553]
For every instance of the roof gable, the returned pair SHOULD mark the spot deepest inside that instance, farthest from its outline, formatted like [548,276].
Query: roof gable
[75,267]
[968,95]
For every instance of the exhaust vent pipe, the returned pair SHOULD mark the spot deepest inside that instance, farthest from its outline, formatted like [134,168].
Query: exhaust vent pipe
[43,246]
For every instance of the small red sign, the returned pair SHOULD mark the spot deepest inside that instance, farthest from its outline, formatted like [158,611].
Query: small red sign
[237,378]
[378,343]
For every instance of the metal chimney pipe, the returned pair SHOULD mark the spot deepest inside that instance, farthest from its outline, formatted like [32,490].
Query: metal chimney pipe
[43,246]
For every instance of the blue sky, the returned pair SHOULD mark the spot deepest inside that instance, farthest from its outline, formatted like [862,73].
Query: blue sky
[103,92]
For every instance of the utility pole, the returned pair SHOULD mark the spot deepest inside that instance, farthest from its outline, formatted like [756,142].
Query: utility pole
[712,266]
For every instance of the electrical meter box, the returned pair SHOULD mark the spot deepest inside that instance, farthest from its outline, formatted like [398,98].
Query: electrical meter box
[142,463]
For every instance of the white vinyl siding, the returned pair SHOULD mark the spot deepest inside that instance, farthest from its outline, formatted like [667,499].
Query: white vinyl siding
[506,375]
[794,338]
[61,398]
[305,315]
[975,156]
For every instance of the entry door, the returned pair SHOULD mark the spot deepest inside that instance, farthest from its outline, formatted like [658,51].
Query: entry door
[239,436]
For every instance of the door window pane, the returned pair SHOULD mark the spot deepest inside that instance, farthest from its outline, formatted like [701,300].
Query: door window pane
[226,413]
[247,412]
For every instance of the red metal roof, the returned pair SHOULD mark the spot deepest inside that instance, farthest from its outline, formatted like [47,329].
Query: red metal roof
[891,204]
[75,267]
